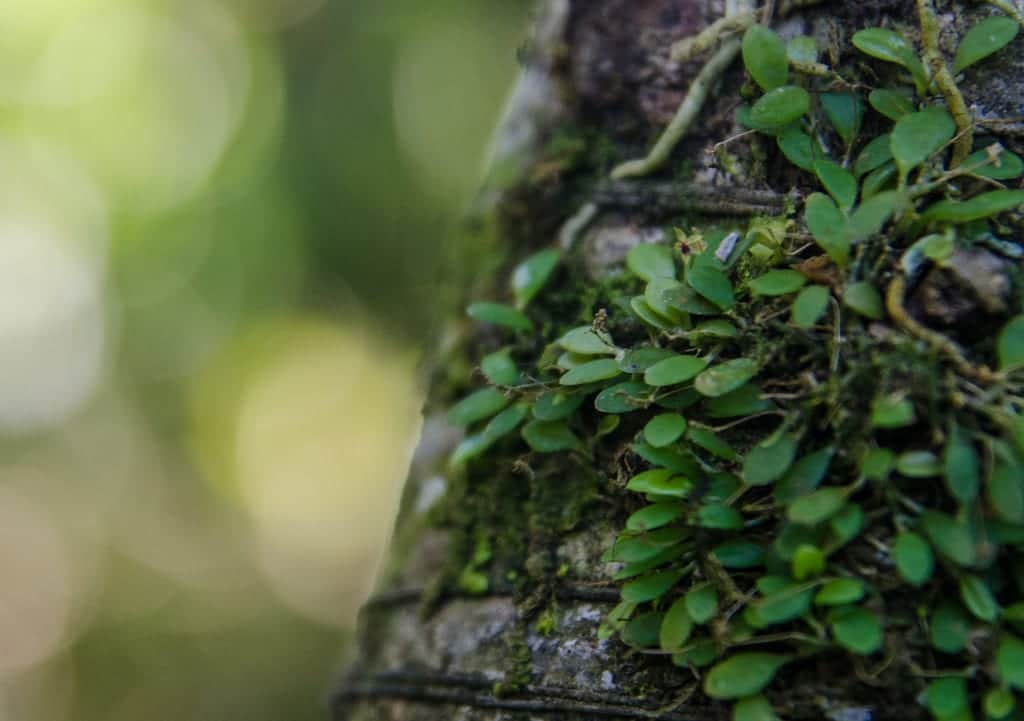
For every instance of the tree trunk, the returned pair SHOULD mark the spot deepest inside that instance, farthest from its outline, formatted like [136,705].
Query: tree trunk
[496,590]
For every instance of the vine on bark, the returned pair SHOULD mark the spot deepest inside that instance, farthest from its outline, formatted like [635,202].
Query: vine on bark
[819,469]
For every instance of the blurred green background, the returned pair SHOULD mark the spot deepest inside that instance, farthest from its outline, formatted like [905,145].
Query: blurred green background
[220,225]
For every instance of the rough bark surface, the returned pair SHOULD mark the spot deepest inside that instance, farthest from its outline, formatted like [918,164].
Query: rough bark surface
[602,65]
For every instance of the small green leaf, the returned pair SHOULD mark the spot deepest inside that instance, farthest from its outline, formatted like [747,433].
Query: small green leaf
[669,458]
[502,424]
[701,602]
[676,627]
[891,47]
[857,629]
[913,558]
[549,436]
[1010,345]
[947,696]
[783,604]
[654,516]
[744,401]
[650,261]
[753,708]
[844,111]
[828,226]
[839,592]
[642,310]
[818,506]
[637,360]
[917,135]
[988,36]
[766,463]
[803,476]
[711,443]
[1005,489]
[798,147]
[596,370]
[847,524]
[918,464]
[810,304]
[711,283]
[637,550]
[532,274]
[808,562]
[949,628]
[725,377]
[980,206]
[865,299]
[868,218]
[662,481]
[499,314]
[642,631]
[623,397]
[890,103]
[586,341]
[777,282]
[742,675]
[655,294]
[664,429]
[764,55]
[739,554]
[674,370]
[1003,165]
[714,328]
[1010,661]
[477,406]
[950,537]
[877,463]
[892,411]
[556,405]
[719,516]
[877,179]
[874,155]
[998,703]
[780,106]
[650,587]
[961,465]
[978,598]
[500,369]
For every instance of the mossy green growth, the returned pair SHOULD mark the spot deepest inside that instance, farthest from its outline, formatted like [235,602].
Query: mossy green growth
[809,469]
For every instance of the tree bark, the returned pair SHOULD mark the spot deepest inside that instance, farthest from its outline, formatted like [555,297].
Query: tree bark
[524,644]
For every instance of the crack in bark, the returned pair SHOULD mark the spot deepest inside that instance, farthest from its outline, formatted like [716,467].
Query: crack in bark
[669,197]
[476,691]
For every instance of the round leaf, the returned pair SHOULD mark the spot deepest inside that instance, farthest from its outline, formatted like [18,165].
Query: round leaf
[1010,346]
[702,603]
[500,369]
[1010,661]
[949,628]
[874,155]
[890,103]
[781,106]
[675,627]
[978,598]
[839,592]
[478,405]
[654,516]
[586,341]
[711,283]
[950,537]
[809,306]
[650,587]
[766,463]
[947,696]
[817,507]
[1006,491]
[980,206]
[596,370]
[865,299]
[650,261]
[674,370]
[777,282]
[764,55]
[918,464]
[838,181]
[530,276]
[623,397]
[961,465]
[742,675]
[988,36]
[725,377]
[917,135]
[661,481]
[844,111]
[857,630]
[913,558]
[549,436]
[753,708]
[664,429]
[828,226]
[808,562]
[499,314]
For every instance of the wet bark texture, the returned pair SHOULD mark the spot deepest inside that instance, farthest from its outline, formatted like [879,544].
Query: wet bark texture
[602,65]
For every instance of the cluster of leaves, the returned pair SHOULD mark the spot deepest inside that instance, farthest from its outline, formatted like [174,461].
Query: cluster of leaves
[773,527]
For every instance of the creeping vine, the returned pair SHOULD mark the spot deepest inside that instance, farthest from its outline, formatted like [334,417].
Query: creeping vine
[814,464]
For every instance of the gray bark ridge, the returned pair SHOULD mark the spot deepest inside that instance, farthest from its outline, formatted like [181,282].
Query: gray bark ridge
[482,657]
